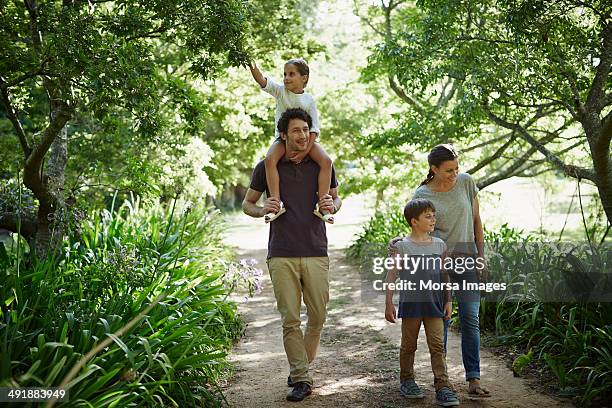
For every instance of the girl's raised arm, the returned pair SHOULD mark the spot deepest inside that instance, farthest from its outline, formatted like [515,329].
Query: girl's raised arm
[257,75]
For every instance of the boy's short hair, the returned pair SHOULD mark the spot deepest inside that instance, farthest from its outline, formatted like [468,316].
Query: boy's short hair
[293,113]
[302,67]
[416,207]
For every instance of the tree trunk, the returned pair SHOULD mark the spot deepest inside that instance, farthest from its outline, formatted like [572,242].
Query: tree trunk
[380,196]
[53,215]
[603,180]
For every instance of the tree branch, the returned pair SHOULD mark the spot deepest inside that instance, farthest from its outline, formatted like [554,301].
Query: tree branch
[567,106]
[394,4]
[406,98]
[488,142]
[526,105]
[365,20]
[575,92]
[596,93]
[568,169]
[494,156]
[21,78]
[12,115]
[34,161]
[151,34]
[534,163]
[30,5]
[515,168]
[550,136]
[10,221]
[445,98]
[532,174]
[607,100]
[606,132]
[509,171]
[482,39]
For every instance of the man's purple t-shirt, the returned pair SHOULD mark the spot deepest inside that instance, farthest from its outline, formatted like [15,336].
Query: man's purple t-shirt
[298,232]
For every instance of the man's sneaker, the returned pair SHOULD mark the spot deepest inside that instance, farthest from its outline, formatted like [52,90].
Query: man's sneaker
[300,391]
[410,389]
[290,382]
[446,398]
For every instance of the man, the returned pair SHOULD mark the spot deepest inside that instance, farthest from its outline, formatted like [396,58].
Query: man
[297,246]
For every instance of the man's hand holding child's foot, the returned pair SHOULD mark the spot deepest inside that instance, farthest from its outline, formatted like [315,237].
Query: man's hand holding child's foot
[325,209]
[272,209]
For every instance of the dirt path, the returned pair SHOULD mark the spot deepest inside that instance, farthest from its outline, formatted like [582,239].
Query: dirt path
[358,361]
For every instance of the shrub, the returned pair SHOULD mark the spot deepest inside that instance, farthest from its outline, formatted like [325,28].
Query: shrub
[124,262]
[571,338]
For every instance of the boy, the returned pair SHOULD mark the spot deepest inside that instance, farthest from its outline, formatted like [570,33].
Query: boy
[421,305]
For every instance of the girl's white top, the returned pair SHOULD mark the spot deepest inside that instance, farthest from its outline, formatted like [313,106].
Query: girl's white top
[286,99]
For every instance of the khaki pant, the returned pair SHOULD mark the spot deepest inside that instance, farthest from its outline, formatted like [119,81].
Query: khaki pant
[293,278]
[434,330]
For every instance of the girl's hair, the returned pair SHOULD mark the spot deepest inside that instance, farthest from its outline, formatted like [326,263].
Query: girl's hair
[438,155]
[302,67]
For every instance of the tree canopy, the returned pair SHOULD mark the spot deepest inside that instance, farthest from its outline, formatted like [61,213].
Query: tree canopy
[115,81]
[526,83]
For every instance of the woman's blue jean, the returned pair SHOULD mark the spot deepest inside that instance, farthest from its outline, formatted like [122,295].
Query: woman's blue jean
[469,306]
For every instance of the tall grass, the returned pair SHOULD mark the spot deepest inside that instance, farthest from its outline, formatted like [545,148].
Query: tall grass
[121,263]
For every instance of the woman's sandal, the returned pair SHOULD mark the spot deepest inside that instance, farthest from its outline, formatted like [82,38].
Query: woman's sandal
[269,217]
[478,392]
[328,218]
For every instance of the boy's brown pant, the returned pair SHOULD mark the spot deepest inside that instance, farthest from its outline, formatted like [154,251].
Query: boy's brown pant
[292,279]
[434,330]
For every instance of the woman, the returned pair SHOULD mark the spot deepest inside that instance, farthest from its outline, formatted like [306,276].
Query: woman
[458,223]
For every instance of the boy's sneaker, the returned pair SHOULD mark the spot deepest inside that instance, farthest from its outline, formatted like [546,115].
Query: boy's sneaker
[410,389]
[446,398]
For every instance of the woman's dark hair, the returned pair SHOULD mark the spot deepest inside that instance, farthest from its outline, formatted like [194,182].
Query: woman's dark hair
[438,155]
[293,113]
[302,67]
[416,207]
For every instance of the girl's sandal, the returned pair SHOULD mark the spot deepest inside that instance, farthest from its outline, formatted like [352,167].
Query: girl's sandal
[328,218]
[269,217]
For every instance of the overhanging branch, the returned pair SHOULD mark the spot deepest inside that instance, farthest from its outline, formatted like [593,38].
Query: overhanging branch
[444,98]
[10,221]
[12,115]
[494,156]
[515,168]
[596,93]
[568,169]
[488,142]
[405,97]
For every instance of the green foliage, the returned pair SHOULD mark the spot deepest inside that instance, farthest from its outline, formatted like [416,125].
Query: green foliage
[58,310]
[143,121]
[572,339]
[475,72]
[519,363]
[372,240]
